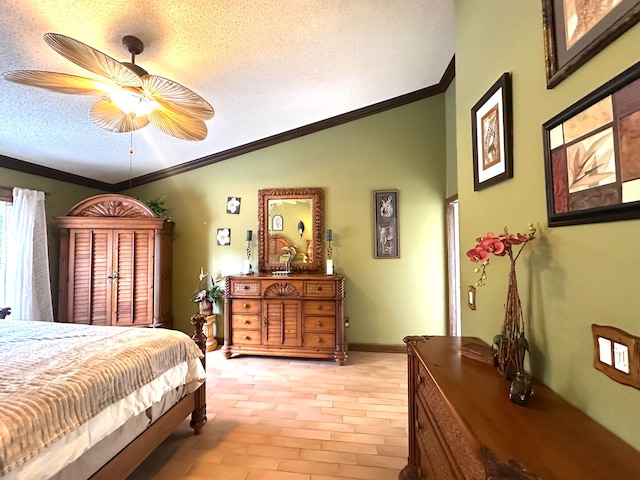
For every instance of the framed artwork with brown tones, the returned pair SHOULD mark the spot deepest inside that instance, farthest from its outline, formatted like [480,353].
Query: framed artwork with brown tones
[491,130]
[387,236]
[592,155]
[576,30]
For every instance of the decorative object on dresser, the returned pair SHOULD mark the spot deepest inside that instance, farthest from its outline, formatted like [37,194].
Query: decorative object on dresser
[463,426]
[246,264]
[511,342]
[329,238]
[295,316]
[115,264]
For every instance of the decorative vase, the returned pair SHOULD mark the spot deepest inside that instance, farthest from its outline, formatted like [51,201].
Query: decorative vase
[205,307]
[520,389]
[511,351]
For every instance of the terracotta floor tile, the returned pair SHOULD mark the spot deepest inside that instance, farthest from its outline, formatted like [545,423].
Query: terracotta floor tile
[329,456]
[273,475]
[357,438]
[293,419]
[305,466]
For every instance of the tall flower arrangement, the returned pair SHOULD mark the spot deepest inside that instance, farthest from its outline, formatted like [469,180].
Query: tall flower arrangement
[511,343]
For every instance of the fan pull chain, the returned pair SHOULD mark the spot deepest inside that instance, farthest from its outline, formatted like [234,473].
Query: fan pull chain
[130,158]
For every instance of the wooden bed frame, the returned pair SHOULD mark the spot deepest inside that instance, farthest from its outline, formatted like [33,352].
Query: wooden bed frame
[195,404]
[128,459]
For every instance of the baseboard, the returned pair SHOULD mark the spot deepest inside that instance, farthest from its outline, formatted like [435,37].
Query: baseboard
[377,347]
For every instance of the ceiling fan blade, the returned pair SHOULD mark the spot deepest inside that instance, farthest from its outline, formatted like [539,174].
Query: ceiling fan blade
[177,98]
[106,115]
[58,82]
[184,128]
[92,59]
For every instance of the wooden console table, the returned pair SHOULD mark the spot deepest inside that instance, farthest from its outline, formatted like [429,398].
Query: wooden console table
[463,426]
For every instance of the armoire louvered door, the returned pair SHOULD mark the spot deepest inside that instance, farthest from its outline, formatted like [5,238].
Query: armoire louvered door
[112,277]
[115,264]
[132,278]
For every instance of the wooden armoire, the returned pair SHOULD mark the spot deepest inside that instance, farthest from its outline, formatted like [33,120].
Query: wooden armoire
[115,264]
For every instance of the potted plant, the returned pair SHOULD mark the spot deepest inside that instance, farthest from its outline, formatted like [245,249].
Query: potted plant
[208,293]
[511,343]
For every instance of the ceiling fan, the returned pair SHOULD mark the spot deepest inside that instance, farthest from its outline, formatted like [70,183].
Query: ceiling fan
[131,98]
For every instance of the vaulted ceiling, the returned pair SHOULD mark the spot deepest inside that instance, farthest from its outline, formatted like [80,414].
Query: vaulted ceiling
[270,68]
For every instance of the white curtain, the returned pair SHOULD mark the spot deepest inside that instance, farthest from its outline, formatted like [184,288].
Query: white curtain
[27,285]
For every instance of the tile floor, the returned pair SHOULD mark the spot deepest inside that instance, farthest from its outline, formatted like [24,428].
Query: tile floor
[292,419]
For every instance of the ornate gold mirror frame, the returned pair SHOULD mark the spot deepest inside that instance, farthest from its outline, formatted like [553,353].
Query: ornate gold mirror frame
[308,258]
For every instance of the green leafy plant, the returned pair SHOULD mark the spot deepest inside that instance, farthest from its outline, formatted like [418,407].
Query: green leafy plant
[156,205]
[208,289]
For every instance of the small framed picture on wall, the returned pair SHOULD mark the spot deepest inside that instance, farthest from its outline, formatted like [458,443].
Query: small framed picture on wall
[385,219]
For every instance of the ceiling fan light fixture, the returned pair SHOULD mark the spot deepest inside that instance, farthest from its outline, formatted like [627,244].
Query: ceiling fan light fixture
[130,97]
[132,102]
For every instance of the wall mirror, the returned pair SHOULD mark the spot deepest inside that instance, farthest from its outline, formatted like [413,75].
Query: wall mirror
[290,230]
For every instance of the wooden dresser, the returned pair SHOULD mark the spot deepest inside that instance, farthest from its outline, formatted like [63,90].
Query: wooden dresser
[463,426]
[295,316]
[115,264]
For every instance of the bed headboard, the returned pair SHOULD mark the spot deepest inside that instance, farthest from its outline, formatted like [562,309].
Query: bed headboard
[276,244]
[4,312]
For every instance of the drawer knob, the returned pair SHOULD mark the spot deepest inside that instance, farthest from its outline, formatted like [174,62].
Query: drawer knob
[419,379]
[247,322]
[319,340]
[319,289]
[246,287]
[247,337]
[245,305]
[318,324]
[319,307]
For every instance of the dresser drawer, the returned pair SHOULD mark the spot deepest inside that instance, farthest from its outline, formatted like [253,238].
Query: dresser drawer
[246,337]
[245,287]
[319,289]
[320,324]
[319,340]
[247,322]
[434,458]
[243,306]
[318,307]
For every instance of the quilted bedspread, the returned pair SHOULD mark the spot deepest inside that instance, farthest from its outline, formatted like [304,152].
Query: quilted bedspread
[56,376]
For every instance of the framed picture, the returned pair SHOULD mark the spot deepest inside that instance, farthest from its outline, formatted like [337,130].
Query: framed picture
[575,31]
[276,223]
[387,236]
[233,205]
[223,236]
[592,155]
[491,126]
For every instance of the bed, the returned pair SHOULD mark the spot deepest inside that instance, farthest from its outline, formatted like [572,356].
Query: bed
[81,401]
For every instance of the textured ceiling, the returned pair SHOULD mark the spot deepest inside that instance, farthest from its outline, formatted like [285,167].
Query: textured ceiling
[266,67]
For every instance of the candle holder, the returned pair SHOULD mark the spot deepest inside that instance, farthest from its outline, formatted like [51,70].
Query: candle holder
[329,238]
[247,263]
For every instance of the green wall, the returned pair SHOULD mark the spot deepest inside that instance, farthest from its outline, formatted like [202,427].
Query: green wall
[402,149]
[60,197]
[570,277]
